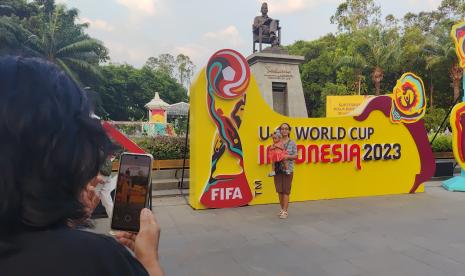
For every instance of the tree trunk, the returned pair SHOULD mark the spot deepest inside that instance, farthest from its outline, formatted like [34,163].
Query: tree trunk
[377,77]
[431,89]
[359,83]
[181,75]
[456,74]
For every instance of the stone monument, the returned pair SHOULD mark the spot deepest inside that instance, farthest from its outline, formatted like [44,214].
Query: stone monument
[277,73]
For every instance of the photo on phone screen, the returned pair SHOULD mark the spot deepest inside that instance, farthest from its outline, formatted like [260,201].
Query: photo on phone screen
[132,191]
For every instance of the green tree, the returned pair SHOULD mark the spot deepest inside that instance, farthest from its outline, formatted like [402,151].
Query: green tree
[452,9]
[53,35]
[19,8]
[358,63]
[163,63]
[125,90]
[64,42]
[354,15]
[381,50]
[185,69]
[425,21]
[318,69]
[14,38]
[366,48]
[440,52]
[413,57]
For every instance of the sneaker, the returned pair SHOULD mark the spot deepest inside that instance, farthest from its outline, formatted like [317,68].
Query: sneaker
[272,174]
[283,215]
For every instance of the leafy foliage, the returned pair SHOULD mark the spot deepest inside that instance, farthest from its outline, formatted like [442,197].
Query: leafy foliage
[180,67]
[50,31]
[442,143]
[368,55]
[125,90]
[353,15]
[164,147]
[434,118]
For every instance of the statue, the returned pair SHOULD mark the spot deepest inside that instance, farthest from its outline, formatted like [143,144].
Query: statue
[265,29]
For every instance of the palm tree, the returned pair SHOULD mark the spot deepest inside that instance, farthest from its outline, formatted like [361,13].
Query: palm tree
[380,50]
[358,63]
[456,74]
[439,51]
[14,38]
[58,39]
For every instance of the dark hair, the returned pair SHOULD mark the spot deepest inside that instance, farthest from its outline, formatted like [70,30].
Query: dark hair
[288,125]
[50,147]
[276,133]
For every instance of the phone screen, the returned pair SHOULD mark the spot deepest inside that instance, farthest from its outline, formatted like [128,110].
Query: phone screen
[132,190]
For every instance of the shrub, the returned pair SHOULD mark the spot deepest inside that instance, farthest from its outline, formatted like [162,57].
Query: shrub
[442,143]
[129,130]
[164,147]
[434,118]
[180,125]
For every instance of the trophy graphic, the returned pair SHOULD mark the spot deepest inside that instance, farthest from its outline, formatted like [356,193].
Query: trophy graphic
[228,76]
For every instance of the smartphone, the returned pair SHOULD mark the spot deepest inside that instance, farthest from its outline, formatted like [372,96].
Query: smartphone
[133,187]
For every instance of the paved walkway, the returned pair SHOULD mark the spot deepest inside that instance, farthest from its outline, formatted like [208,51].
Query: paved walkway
[422,234]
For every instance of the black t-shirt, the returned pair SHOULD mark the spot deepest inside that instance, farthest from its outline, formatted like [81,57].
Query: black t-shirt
[66,252]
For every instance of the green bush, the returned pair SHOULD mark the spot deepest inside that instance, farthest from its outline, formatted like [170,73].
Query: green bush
[433,119]
[180,125]
[164,147]
[129,129]
[442,143]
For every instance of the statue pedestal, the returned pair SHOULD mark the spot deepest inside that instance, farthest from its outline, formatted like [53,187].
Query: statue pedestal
[278,76]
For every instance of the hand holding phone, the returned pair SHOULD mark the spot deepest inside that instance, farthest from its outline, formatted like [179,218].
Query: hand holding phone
[145,243]
[132,191]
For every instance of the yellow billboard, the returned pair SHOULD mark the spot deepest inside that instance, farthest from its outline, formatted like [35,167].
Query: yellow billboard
[374,153]
[338,106]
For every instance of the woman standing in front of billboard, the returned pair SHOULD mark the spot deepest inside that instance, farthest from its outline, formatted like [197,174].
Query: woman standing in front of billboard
[282,180]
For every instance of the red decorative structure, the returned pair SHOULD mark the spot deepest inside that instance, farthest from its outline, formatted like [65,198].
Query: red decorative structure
[121,139]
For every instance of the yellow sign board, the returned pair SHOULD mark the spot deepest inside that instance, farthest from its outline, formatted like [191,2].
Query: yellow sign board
[374,153]
[337,106]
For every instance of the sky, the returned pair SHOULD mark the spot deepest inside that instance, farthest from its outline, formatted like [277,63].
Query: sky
[135,30]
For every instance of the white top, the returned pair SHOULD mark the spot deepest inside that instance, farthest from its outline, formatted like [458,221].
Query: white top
[156,102]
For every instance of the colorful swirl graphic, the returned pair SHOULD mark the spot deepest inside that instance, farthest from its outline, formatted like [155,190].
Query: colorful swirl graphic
[458,35]
[409,100]
[228,76]
[457,122]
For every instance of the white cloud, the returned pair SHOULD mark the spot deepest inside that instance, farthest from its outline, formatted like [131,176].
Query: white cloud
[199,51]
[141,7]
[292,6]
[195,51]
[427,4]
[97,24]
[230,34]
[124,53]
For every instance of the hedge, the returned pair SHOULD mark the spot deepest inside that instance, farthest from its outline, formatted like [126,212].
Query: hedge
[164,147]
[442,143]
